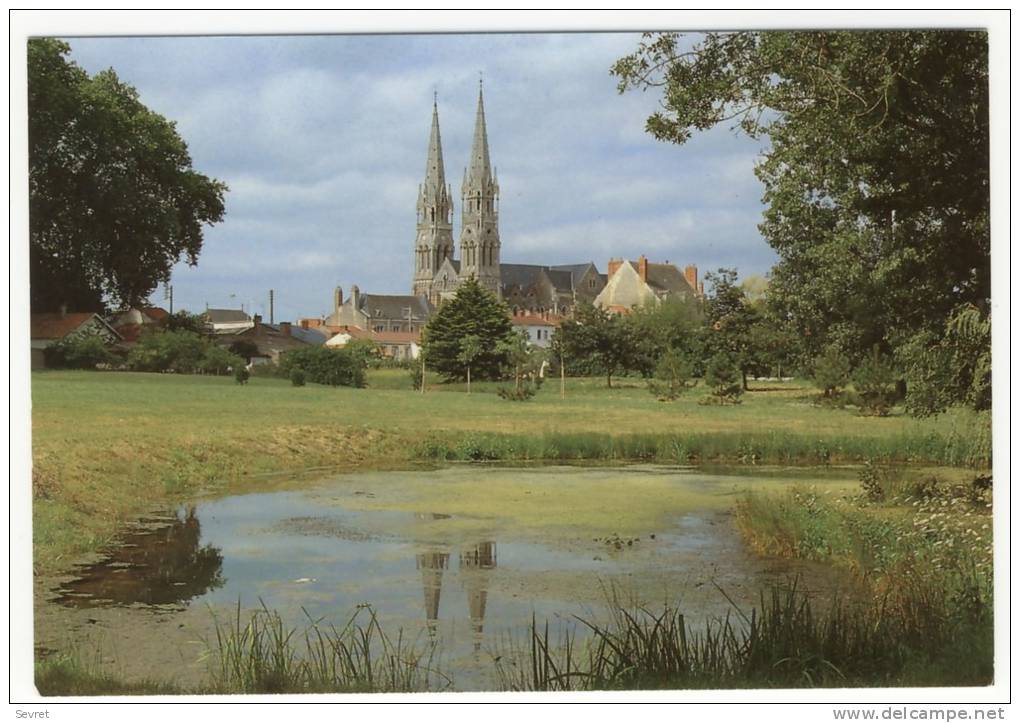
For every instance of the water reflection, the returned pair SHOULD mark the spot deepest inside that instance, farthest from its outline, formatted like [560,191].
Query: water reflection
[475,564]
[432,564]
[161,563]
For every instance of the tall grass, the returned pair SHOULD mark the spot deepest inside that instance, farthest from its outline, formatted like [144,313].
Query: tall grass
[969,448]
[259,653]
[785,642]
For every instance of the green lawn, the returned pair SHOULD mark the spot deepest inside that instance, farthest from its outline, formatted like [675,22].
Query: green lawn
[107,444]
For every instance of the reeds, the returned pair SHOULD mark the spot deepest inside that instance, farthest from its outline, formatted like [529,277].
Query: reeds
[968,449]
[259,653]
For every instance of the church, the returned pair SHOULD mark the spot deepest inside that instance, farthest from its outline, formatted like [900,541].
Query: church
[524,287]
[527,289]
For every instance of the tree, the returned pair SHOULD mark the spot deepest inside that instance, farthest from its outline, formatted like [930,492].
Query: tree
[473,311]
[244,348]
[877,174]
[217,360]
[831,372]
[656,329]
[672,375]
[730,320]
[722,377]
[168,351]
[183,320]
[604,339]
[470,349]
[114,201]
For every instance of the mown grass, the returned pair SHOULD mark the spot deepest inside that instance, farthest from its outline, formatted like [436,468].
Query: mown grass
[107,445]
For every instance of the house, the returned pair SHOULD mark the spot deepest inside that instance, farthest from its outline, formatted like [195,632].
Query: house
[637,283]
[50,328]
[227,321]
[379,312]
[400,345]
[271,340]
[130,323]
[539,328]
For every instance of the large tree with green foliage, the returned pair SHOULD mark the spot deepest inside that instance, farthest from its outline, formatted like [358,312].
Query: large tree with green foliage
[114,201]
[605,341]
[876,172]
[474,311]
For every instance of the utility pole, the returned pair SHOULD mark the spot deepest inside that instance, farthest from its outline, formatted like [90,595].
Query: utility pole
[270,306]
[168,293]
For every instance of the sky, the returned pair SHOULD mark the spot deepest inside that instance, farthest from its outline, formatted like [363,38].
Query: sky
[322,141]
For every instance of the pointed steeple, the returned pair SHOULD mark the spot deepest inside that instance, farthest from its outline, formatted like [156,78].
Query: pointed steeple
[481,170]
[435,176]
[479,234]
[434,239]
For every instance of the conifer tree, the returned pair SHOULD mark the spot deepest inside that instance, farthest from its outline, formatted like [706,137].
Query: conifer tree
[473,311]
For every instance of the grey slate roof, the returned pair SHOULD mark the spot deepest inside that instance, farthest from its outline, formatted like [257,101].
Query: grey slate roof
[379,306]
[225,316]
[576,270]
[525,275]
[308,336]
[667,277]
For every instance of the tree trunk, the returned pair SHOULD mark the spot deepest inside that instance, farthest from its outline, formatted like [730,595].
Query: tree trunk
[744,374]
[563,379]
[609,380]
[517,378]
[469,380]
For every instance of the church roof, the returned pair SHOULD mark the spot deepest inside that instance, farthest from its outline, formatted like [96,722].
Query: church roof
[576,270]
[381,306]
[525,275]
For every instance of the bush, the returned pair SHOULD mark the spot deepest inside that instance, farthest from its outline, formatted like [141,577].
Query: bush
[175,351]
[875,384]
[322,365]
[78,352]
[723,377]
[297,377]
[519,394]
[831,372]
[241,375]
[218,360]
[672,375]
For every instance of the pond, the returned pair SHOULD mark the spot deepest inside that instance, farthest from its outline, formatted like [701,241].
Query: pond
[465,556]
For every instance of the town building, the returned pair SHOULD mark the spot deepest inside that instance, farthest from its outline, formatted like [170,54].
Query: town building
[639,283]
[51,328]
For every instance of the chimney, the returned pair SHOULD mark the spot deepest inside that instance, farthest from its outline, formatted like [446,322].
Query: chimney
[338,299]
[355,296]
[691,274]
[701,288]
[613,267]
[642,267]
[285,328]
[258,321]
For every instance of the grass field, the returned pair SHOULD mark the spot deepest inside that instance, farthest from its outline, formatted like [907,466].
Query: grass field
[107,445]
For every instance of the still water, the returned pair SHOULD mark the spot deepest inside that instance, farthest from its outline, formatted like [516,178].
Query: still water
[465,556]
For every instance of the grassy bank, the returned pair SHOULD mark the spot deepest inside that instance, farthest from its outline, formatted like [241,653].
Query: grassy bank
[108,445]
[922,546]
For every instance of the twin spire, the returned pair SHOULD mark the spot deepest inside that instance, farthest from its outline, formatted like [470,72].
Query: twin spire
[479,238]
[478,173]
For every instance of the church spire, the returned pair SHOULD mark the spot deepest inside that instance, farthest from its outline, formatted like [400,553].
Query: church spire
[435,176]
[481,170]
[434,242]
[479,234]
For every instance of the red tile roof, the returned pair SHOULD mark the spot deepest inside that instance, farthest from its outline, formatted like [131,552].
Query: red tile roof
[54,325]
[395,337]
[531,320]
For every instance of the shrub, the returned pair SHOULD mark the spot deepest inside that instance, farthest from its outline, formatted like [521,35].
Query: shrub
[517,394]
[241,375]
[723,377]
[176,351]
[875,384]
[831,372]
[297,377]
[78,352]
[322,365]
[218,360]
[672,375]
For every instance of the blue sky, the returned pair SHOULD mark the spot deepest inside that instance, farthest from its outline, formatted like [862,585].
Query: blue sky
[322,141]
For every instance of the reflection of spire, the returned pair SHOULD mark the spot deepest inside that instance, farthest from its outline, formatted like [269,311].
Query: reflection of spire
[475,562]
[432,565]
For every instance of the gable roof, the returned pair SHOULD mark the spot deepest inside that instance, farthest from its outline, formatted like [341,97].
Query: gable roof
[530,320]
[54,325]
[667,277]
[382,306]
[577,271]
[226,316]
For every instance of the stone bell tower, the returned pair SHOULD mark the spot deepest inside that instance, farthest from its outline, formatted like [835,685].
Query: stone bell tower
[479,234]
[434,242]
